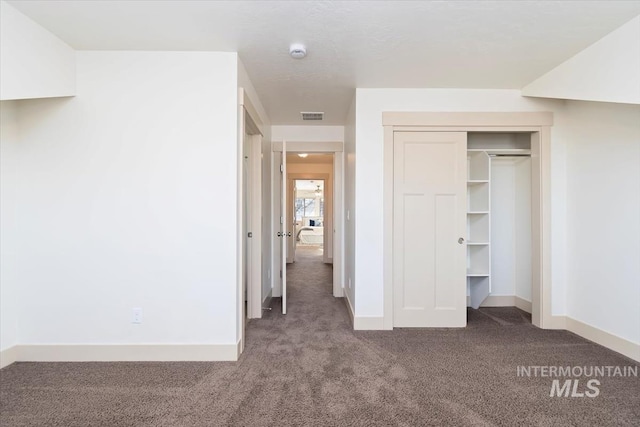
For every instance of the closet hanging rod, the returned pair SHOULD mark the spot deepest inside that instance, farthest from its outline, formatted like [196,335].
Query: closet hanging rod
[510,155]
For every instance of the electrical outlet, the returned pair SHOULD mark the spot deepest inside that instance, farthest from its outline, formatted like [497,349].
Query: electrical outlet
[136,315]
[269,274]
[349,282]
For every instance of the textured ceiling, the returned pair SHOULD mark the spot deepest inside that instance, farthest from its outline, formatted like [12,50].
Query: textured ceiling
[464,44]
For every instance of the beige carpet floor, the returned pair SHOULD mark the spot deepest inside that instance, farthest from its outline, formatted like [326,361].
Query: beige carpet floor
[309,368]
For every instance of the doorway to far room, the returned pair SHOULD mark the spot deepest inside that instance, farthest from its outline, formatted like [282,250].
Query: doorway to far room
[309,219]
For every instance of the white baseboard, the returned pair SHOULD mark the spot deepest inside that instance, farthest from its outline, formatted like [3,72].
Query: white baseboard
[504,301]
[363,323]
[496,301]
[266,302]
[124,353]
[499,301]
[368,323]
[523,304]
[606,339]
[555,322]
[239,350]
[349,307]
[8,356]
[276,291]
[338,291]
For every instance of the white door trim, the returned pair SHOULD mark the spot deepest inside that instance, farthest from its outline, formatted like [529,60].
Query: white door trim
[249,122]
[337,148]
[538,123]
[310,147]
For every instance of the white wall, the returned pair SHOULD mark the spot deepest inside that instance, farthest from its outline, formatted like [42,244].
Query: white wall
[522,229]
[308,133]
[33,62]
[559,138]
[603,216]
[369,172]
[9,196]
[349,279]
[126,199]
[608,70]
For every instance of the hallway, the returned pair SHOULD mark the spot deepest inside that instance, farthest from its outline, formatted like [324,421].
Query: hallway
[312,312]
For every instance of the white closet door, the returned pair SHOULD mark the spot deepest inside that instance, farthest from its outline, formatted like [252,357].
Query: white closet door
[429,260]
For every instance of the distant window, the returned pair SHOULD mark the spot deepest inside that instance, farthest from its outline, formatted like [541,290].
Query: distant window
[305,208]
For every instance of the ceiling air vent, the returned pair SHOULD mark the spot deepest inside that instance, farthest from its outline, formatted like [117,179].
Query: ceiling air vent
[312,116]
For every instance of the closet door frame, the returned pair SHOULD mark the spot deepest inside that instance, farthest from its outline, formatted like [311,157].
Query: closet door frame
[538,124]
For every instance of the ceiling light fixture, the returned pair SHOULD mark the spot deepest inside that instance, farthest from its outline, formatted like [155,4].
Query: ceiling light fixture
[303,155]
[297,51]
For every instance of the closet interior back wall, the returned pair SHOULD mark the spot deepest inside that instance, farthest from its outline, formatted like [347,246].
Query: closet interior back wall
[511,226]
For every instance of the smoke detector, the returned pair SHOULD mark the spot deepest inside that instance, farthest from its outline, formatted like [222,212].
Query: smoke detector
[309,115]
[297,51]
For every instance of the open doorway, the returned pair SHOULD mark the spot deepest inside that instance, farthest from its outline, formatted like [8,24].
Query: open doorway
[321,162]
[308,218]
[310,200]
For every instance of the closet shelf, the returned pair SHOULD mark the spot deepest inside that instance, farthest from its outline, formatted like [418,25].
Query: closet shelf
[478,225]
[477,274]
[501,150]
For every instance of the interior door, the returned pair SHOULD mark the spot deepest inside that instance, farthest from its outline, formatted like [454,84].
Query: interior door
[291,197]
[292,203]
[429,225]
[283,226]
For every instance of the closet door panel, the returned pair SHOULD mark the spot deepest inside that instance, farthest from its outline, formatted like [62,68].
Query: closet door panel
[429,263]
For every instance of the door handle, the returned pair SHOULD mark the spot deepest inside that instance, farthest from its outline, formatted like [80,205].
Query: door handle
[279,234]
[461,240]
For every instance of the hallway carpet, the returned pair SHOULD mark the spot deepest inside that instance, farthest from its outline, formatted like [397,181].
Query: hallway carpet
[309,368]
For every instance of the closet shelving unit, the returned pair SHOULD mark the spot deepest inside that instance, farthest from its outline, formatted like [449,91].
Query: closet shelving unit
[482,147]
[478,225]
